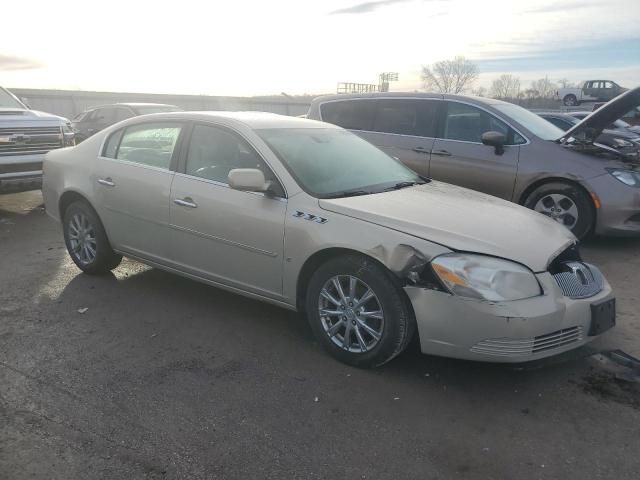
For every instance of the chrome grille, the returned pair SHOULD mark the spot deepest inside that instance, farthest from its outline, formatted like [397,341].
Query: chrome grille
[27,140]
[579,280]
[525,347]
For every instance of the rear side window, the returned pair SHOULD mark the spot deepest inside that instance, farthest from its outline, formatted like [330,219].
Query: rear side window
[351,114]
[406,117]
[111,147]
[467,123]
[150,144]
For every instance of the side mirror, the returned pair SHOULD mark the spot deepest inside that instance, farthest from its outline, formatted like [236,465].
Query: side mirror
[494,139]
[248,180]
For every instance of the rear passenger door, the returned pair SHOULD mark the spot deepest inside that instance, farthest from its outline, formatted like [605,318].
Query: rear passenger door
[403,128]
[459,156]
[133,184]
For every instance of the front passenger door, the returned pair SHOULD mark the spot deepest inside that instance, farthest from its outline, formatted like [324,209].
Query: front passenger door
[225,235]
[460,158]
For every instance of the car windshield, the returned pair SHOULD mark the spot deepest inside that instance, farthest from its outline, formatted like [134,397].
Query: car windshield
[156,109]
[9,101]
[331,162]
[537,125]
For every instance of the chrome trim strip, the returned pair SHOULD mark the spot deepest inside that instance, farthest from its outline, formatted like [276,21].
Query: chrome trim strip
[226,185]
[223,240]
[21,174]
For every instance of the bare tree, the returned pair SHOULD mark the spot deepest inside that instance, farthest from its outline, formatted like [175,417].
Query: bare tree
[505,86]
[450,76]
[480,91]
[566,83]
[545,87]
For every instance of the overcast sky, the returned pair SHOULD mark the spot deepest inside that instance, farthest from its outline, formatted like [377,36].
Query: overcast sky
[244,47]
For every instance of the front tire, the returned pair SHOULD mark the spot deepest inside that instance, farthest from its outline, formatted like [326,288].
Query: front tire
[358,311]
[565,203]
[87,241]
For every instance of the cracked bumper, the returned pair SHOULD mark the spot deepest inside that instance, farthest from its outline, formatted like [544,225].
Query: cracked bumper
[517,331]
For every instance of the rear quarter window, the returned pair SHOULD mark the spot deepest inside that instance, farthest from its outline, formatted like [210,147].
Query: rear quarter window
[350,114]
[111,145]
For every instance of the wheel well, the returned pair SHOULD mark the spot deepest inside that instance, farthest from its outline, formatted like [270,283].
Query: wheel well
[317,259]
[544,181]
[68,198]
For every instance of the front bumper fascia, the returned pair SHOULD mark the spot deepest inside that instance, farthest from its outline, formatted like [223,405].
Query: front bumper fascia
[453,326]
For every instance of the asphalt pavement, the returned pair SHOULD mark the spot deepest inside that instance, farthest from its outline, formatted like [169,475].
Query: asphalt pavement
[144,374]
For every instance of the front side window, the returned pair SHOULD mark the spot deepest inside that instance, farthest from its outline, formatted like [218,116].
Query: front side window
[530,121]
[406,117]
[467,123]
[331,162]
[350,114]
[150,144]
[214,152]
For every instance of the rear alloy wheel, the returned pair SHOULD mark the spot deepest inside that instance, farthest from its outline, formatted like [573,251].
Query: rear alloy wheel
[87,241]
[570,100]
[358,311]
[567,204]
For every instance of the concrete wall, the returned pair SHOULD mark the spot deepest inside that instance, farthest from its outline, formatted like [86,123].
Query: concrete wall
[68,103]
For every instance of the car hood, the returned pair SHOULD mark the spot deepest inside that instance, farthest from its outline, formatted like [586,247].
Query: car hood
[20,116]
[592,126]
[463,220]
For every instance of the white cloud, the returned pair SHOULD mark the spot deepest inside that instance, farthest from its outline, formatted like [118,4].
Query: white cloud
[256,47]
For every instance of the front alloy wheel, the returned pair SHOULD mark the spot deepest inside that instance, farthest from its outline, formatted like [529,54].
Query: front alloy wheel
[358,311]
[350,313]
[559,208]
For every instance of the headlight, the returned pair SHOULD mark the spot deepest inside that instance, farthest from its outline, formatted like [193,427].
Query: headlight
[628,177]
[485,278]
[68,136]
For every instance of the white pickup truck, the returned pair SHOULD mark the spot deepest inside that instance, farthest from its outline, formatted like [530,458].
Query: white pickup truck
[25,137]
[591,91]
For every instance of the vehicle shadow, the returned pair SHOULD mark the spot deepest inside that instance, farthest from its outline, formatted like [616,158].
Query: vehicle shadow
[151,303]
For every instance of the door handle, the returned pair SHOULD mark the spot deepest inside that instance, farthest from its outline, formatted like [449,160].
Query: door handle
[185,202]
[421,150]
[441,153]
[107,182]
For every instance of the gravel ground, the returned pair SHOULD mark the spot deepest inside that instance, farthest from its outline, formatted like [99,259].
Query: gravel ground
[163,377]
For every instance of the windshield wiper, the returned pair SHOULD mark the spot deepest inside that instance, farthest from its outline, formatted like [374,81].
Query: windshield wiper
[349,193]
[400,185]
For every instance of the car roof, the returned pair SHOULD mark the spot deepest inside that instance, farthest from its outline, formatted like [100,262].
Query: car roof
[427,95]
[253,120]
[130,104]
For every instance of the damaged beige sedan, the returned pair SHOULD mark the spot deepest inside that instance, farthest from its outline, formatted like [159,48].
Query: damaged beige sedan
[310,217]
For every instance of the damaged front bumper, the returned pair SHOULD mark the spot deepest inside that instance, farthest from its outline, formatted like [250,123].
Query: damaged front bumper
[515,331]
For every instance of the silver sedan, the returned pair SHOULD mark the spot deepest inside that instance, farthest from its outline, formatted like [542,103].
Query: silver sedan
[310,217]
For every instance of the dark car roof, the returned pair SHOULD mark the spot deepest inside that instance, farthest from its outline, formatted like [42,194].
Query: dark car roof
[442,96]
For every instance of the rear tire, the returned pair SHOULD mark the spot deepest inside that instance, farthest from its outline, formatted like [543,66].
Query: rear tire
[571,100]
[565,203]
[372,332]
[87,241]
